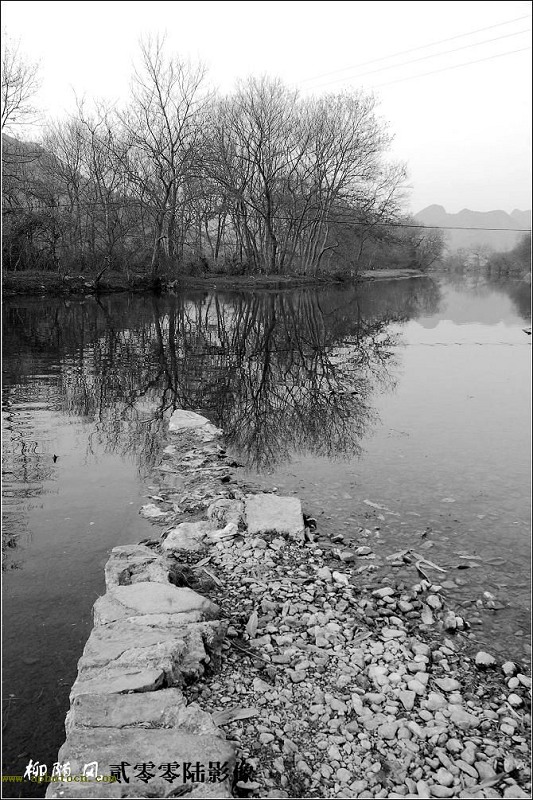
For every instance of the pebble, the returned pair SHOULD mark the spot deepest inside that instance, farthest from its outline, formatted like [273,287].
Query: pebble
[440,791]
[387,591]
[514,700]
[435,701]
[343,775]
[484,770]
[416,686]
[464,767]
[444,777]
[347,556]
[407,699]
[341,577]
[484,659]
[448,684]
[462,719]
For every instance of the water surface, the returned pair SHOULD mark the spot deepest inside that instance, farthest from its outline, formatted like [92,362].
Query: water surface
[410,395]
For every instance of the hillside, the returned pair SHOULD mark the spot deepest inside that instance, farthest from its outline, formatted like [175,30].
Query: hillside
[436,216]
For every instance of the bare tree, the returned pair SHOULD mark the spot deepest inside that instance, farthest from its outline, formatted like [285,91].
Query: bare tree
[19,85]
[163,126]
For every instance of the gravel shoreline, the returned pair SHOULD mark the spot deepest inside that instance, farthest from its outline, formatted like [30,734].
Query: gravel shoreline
[331,685]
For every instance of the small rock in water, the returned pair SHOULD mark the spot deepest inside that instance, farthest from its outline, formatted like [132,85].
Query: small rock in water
[347,556]
[509,668]
[341,577]
[449,622]
[484,659]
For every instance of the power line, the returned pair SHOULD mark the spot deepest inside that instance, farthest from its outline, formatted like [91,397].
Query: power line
[455,66]
[415,49]
[341,218]
[422,58]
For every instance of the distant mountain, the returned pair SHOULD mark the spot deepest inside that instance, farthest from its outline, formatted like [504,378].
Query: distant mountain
[436,216]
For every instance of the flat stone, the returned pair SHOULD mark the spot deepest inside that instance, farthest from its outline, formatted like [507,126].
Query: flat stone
[462,719]
[132,746]
[119,681]
[466,768]
[151,511]
[166,708]
[407,699]
[187,536]
[122,656]
[386,591]
[268,512]
[435,701]
[448,684]
[148,598]
[392,633]
[134,563]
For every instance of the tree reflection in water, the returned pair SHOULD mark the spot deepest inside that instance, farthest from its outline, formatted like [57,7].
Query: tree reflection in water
[281,372]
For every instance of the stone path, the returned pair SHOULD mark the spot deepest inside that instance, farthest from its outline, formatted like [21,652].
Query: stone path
[237,654]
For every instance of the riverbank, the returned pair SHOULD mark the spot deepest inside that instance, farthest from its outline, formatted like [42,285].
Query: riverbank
[48,283]
[324,684]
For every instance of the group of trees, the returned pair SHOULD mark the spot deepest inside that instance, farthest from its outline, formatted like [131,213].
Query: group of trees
[514,263]
[262,180]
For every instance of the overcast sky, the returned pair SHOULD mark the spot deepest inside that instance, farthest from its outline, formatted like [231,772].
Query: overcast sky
[464,131]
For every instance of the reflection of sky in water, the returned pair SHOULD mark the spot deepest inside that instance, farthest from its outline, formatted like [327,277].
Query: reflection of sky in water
[448,332]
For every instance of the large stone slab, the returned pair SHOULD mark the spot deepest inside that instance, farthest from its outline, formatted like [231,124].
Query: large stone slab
[166,708]
[134,563]
[108,680]
[130,747]
[149,598]
[268,512]
[125,656]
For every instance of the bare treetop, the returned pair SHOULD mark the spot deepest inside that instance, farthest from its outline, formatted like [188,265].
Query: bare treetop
[19,85]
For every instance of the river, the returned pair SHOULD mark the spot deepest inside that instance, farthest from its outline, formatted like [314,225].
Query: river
[399,411]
